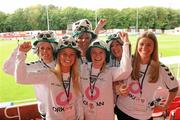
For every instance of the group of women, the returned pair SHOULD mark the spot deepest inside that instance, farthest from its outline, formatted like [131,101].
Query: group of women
[74,78]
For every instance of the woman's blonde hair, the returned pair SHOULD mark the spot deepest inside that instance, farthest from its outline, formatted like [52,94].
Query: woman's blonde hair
[153,69]
[75,68]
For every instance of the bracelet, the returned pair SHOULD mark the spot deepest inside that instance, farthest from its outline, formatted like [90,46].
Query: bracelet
[165,106]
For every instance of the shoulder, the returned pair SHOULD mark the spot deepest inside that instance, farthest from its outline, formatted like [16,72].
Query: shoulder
[164,68]
[165,71]
[34,63]
[85,65]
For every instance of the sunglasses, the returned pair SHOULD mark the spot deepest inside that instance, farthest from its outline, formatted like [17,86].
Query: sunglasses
[70,43]
[83,29]
[113,36]
[97,43]
[45,35]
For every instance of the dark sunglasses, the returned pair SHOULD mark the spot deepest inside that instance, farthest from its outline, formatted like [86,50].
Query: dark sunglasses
[113,36]
[82,28]
[96,43]
[46,35]
[71,43]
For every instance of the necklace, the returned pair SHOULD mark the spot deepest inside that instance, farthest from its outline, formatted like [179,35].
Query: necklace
[93,79]
[67,86]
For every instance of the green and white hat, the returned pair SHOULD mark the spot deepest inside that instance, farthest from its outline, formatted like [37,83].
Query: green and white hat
[98,44]
[67,41]
[112,37]
[81,26]
[45,37]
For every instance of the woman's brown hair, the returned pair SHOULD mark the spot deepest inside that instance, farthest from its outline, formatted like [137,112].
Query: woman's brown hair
[153,69]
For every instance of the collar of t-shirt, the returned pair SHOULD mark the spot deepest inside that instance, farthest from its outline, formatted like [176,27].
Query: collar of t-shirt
[66,76]
[95,71]
[143,67]
[52,64]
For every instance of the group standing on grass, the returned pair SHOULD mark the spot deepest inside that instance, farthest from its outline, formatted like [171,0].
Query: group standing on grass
[75,78]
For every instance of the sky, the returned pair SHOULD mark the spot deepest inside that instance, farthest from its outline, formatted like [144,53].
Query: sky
[9,6]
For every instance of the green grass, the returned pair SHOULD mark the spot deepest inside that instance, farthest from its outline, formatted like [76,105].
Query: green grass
[169,45]
[9,90]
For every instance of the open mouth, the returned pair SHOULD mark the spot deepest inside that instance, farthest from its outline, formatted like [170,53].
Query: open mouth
[98,59]
[67,61]
[45,56]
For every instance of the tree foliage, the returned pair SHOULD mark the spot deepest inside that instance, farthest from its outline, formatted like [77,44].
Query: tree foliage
[35,18]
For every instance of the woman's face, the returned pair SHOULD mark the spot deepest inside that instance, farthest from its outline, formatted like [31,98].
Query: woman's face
[45,51]
[98,57]
[145,48]
[116,49]
[67,57]
[84,41]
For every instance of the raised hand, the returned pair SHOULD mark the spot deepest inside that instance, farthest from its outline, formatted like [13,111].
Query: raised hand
[25,47]
[123,36]
[100,25]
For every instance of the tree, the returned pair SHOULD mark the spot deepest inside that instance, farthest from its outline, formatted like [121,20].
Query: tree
[35,18]
[112,16]
[3,17]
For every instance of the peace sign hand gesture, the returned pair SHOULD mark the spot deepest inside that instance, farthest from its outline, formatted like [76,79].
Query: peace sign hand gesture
[123,36]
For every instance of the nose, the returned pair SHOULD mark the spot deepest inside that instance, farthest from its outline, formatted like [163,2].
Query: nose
[45,50]
[98,55]
[68,57]
[144,46]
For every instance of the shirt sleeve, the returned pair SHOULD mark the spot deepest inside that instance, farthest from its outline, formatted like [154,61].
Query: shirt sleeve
[124,70]
[169,81]
[9,64]
[23,76]
[79,108]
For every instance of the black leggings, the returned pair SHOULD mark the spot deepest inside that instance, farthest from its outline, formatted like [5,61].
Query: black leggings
[122,116]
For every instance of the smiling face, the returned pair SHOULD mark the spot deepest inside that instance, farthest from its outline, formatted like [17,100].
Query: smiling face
[145,49]
[98,57]
[67,57]
[83,42]
[45,51]
[116,49]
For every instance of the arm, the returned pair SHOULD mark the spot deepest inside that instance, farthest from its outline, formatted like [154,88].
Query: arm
[169,82]
[21,74]
[124,71]
[79,108]
[9,64]
[100,25]
[171,96]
